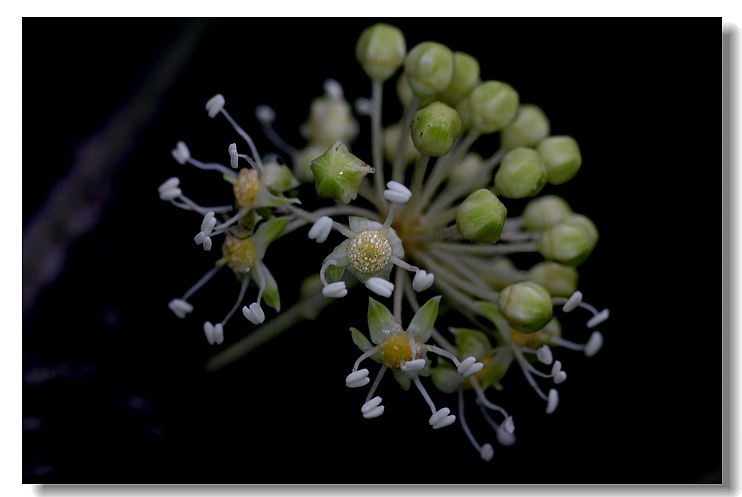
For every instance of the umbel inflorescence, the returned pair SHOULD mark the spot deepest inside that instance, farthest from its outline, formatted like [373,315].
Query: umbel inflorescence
[425,215]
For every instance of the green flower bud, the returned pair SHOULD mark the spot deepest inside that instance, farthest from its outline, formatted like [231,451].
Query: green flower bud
[434,129]
[464,110]
[465,78]
[559,280]
[562,158]
[521,174]
[496,367]
[526,306]
[544,212]
[380,50]
[446,378]
[538,339]
[404,92]
[429,68]
[469,342]
[502,273]
[469,165]
[303,162]
[570,241]
[481,216]
[494,105]
[330,120]
[338,173]
[530,126]
[392,134]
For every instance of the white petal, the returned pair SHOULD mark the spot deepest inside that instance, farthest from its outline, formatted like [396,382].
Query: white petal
[371,404]
[594,344]
[335,290]
[215,104]
[573,302]
[553,401]
[380,286]
[598,318]
[544,355]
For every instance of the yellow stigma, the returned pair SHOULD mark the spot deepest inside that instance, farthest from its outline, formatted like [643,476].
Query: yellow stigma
[369,252]
[395,351]
[246,187]
[240,253]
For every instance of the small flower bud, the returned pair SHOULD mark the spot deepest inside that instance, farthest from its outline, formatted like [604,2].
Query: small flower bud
[434,129]
[529,126]
[559,280]
[469,165]
[381,50]
[404,91]
[543,212]
[339,173]
[493,105]
[562,158]
[392,135]
[481,217]
[570,241]
[521,174]
[526,306]
[429,68]
[465,78]
[465,114]
[215,105]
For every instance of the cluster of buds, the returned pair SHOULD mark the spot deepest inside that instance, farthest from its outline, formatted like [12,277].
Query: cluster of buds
[424,215]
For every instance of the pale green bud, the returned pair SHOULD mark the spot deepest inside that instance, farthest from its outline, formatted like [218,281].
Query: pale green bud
[330,120]
[526,306]
[496,367]
[464,110]
[465,78]
[570,241]
[429,68]
[530,126]
[303,162]
[446,378]
[521,174]
[562,158]
[481,216]
[462,172]
[559,280]
[502,273]
[494,105]
[392,134]
[470,342]
[338,173]
[544,212]
[434,129]
[404,92]
[381,50]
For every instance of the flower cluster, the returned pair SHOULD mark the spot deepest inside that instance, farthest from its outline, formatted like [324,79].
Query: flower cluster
[425,215]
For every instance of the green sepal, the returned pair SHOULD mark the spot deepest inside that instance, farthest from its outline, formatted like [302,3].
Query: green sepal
[338,173]
[381,323]
[264,198]
[470,342]
[334,273]
[421,326]
[403,380]
[270,294]
[266,233]
[360,340]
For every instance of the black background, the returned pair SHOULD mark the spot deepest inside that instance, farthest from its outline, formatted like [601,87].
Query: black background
[114,388]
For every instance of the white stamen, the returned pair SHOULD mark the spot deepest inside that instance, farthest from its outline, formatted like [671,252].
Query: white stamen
[363,106]
[218,333]
[207,243]
[473,369]
[208,223]
[553,401]
[214,105]
[487,452]
[375,413]
[508,426]
[380,286]
[573,302]
[265,114]
[466,364]
[439,416]
[357,379]
[171,194]
[199,239]
[358,383]
[415,365]
[181,153]
[448,420]
[544,355]
[556,368]
[321,229]
[597,319]
[209,332]
[333,89]
[173,182]
[335,290]
[594,344]
[180,307]
[233,156]
[370,405]
[397,192]
[422,280]
[254,313]
[560,377]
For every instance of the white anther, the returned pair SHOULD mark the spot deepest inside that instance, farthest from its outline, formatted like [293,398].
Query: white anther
[466,364]
[553,401]
[209,332]
[254,313]
[422,280]
[544,355]
[207,243]
[397,193]
[508,426]
[415,365]
[353,379]
[171,194]
[380,286]
[504,438]
[556,368]
[598,318]
[359,383]
[441,418]
[473,369]
[207,226]
[180,307]
[215,104]
[573,302]
[233,158]
[560,377]
[265,114]
[169,185]
[335,290]
[371,404]
[199,239]
[181,153]
[363,106]
[487,452]
[594,343]
[333,89]
[374,413]
[321,229]
[218,333]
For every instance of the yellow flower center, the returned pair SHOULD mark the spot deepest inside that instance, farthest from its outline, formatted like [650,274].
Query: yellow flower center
[246,187]
[369,252]
[240,253]
[395,351]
